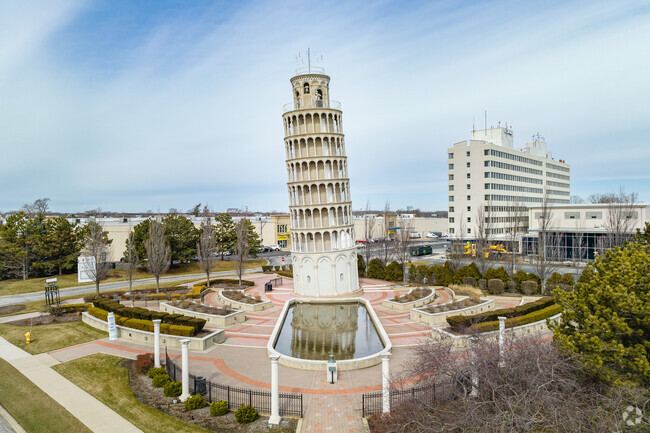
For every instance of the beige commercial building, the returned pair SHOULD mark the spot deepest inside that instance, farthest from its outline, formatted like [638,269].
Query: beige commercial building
[487,176]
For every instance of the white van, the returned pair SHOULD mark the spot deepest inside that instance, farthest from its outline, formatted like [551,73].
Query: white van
[414,235]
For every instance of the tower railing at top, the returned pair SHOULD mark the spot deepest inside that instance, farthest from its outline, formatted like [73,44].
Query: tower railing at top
[318,103]
[306,70]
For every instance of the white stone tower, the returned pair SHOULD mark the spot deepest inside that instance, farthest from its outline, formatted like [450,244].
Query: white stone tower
[322,231]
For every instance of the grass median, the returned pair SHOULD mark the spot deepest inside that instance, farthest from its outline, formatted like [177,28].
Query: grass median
[13,287]
[32,408]
[46,338]
[101,376]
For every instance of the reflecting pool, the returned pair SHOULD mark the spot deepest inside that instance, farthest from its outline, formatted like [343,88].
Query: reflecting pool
[314,331]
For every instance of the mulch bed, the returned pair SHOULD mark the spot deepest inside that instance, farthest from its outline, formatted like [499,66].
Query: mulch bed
[153,397]
[48,319]
[10,309]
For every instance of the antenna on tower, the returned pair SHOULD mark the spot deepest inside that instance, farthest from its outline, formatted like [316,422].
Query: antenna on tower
[308,60]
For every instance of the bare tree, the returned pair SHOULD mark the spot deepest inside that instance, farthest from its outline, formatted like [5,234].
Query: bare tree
[132,262]
[242,246]
[368,228]
[40,205]
[386,247]
[402,245]
[547,244]
[483,235]
[206,248]
[517,217]
[580,244]
[96,246]
[621,217]
[456,248]
[536,388]
[159,252]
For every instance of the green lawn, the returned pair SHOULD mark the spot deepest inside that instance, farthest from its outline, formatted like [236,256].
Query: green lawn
[101,376]
[12,287]
[32,408]
[46,338]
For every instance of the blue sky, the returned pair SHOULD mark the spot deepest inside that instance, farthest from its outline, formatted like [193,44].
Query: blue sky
[131,106]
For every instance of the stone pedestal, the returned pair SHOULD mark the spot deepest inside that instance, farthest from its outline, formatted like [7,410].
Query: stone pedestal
[275,391]
[185,367]
[156,343]
[385,381]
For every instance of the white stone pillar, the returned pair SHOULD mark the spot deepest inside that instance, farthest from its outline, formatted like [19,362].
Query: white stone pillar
[385,381]
[275,391]
[156,343]
[502,341]
[185,367]
[474,371]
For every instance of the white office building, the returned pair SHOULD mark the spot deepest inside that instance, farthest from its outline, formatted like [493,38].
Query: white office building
[489,177]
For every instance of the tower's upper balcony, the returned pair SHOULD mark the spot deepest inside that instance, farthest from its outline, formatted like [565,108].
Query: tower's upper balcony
[311,103]
[306,70]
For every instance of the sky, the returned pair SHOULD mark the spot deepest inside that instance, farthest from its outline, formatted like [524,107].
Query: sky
[132,106]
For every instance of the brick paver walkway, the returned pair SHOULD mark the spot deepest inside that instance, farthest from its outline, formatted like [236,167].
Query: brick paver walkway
[243,359]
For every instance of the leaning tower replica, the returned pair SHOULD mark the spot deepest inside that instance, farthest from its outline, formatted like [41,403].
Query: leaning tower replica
[322,231]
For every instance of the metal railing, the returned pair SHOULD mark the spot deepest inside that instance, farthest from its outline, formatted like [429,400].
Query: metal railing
[290,403]
[372,402]
[318,103]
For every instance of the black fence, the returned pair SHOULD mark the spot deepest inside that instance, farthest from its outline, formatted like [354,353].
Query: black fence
[372,402]
[275,282]
[290,403]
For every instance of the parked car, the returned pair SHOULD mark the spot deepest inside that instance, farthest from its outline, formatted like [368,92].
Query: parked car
[274,247]
[432,235]
[414,235]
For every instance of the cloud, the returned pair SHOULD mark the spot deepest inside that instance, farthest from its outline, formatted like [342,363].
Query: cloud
[134,107]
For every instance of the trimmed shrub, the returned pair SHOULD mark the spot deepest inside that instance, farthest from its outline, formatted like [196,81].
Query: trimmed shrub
[495,286]
[246,414]
[394,272]
[470,270]
[529,287]
[482,284]
[442,275]
[142,325]
[277,268]
[499,273]
[160,380]
[535,316]
[519,277]
[288,273]
[511,286]
[99,313]
[567,279]
[488,316]
[173,389]
[266,268]
[195,402]
[143,363]
[219,408]
[180,330]
[469,281]
[153,372]
[376,269]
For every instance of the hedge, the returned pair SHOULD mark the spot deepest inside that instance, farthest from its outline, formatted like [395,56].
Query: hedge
[535,316]
[286,273]
[69,308]
[148,315]
[232,281]
[145,325]
[489,316]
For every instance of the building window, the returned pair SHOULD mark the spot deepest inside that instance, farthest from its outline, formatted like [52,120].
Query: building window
[282,243]
[282,228]
[468,165]
[451,220]
[469,208]
[341,277]
[486,174]
[451,209]
[451,156]
[469,219]
[451,187]
[487,197]
[487,163]
[469,186]
[451,198]
[451,230]
[469,176]
[451,166]
[306,87]
[468,153]
[469,197]
[469,230]
[486,152]
[451,177]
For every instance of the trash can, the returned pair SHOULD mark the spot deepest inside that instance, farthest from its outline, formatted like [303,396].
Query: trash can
[268,287]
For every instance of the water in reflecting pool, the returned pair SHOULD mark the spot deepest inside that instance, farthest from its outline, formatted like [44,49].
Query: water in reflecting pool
[314,331]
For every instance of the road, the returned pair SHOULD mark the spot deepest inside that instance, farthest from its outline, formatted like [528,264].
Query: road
[86,289]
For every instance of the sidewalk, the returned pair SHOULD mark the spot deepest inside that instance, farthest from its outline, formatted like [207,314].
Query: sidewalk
[94,414]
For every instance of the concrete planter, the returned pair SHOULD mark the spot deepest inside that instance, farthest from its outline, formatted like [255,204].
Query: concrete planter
[439,319]
[166,340]
[249,308]
[343,365]
[404,306]
[238,316]
[538,328]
